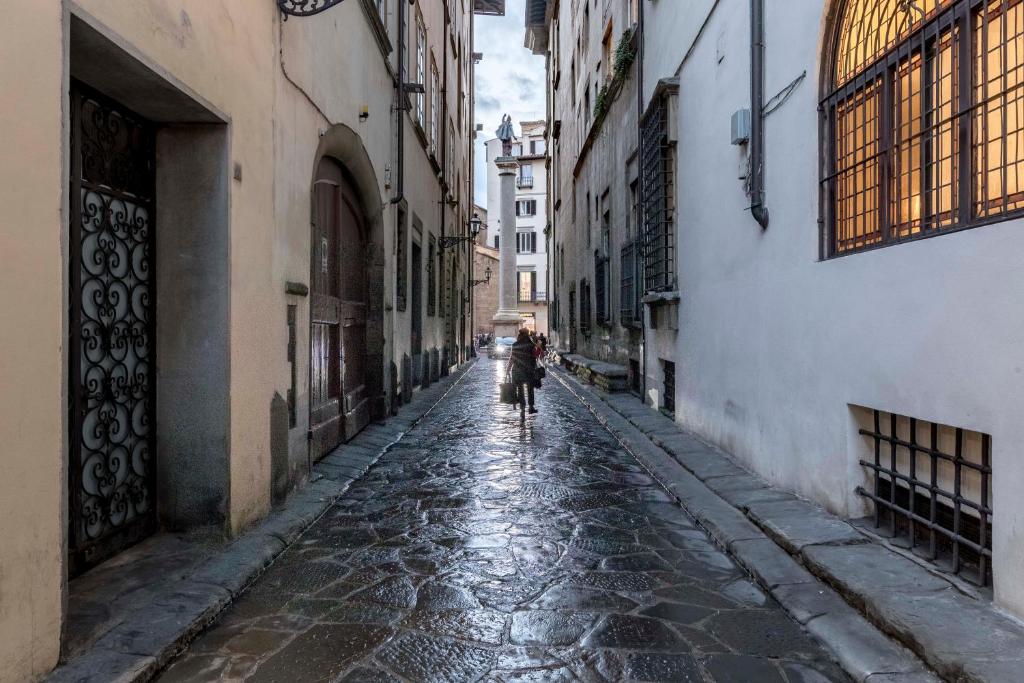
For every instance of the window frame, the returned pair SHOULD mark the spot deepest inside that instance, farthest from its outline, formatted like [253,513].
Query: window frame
[957,21]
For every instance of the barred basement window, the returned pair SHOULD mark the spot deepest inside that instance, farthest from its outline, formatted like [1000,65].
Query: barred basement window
[931,487]
[657,189]
[668,399]
[924,124]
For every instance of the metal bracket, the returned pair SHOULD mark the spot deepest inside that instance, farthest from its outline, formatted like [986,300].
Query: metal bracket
[306,8]
[449,241]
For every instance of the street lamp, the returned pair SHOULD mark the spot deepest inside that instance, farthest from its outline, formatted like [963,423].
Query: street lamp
[449,241]
[487,278]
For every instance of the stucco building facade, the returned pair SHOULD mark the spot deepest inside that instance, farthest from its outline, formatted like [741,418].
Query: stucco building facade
[225,242]
[809,272]
[595,290]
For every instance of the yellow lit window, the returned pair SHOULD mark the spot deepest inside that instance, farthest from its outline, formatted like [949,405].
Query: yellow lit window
[908,92]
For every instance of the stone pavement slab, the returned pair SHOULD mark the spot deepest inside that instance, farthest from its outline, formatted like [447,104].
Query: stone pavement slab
[132,614]
[491,545]
[960,634]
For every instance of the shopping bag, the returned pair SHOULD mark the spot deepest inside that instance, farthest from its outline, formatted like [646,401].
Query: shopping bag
[508,391]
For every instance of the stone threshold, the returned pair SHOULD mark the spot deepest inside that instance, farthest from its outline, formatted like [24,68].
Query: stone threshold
[129,617]
[878,611]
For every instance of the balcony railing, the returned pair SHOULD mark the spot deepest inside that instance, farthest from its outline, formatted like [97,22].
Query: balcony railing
[533,298]
[522,183]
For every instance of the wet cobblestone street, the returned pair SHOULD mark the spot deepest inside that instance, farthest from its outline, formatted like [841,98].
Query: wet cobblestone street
[488,545]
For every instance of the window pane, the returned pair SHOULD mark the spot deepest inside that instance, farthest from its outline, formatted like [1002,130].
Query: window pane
[999,115]
[857,180]
[870,27]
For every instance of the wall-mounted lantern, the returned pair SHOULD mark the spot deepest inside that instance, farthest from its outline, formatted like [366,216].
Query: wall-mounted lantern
[487,278]
[449,241]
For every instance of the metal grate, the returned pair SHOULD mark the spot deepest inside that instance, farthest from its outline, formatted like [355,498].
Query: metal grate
[657,198]
[669,398]
[931,485]
[629,285]
[602,275]
[924,129]
[585,307]
[431,277]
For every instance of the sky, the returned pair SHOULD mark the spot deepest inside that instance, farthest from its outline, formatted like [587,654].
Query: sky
[509,80]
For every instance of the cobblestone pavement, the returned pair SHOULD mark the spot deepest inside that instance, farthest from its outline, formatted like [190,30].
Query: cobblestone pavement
[488,545]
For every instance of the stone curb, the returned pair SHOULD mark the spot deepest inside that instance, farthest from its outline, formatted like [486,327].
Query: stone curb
[861,649]
[141,646]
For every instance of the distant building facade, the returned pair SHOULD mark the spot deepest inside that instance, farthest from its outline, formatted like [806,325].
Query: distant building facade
[595,288]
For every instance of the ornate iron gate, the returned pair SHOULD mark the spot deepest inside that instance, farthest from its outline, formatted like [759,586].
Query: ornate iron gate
[112,363]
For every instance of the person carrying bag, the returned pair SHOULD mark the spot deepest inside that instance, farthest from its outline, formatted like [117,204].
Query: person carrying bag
[522,366]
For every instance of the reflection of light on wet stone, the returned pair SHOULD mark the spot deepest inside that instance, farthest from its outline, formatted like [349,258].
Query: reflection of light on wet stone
[483,548]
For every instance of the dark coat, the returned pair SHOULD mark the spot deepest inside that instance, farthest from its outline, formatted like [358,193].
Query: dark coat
[524,364]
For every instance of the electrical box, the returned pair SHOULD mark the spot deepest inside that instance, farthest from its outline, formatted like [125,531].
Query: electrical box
[741,127]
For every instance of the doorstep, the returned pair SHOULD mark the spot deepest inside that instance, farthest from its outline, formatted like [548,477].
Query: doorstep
[128,617]
[837,580]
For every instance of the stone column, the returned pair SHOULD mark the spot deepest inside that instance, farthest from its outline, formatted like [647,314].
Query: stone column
[507,321]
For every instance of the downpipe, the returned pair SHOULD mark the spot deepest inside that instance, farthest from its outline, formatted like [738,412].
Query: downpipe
[639,143]
[757,195]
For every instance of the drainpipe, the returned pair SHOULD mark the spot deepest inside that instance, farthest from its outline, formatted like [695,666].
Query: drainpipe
[757,207]
[400,108]
[441,152]
[640,174]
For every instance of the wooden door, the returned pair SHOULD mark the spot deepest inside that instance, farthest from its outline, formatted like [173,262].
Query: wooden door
[338,302]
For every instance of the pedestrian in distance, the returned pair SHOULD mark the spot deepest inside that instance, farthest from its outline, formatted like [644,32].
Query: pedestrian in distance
[522,365]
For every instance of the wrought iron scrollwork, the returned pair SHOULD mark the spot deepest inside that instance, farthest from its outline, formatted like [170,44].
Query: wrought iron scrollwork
[306,8]
[112,329]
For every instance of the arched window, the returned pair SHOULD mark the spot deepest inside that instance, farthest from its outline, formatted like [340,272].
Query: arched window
[924,121]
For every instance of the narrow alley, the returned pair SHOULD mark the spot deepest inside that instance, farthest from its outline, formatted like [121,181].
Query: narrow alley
[487,545]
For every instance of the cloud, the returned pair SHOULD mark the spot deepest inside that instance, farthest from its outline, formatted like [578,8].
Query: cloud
[509,80]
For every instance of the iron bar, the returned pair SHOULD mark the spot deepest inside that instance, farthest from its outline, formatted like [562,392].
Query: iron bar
[936,504]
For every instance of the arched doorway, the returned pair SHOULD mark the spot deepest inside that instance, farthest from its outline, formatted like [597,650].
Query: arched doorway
[339,399]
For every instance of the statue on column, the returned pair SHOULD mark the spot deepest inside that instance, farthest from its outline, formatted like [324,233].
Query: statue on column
[505,133]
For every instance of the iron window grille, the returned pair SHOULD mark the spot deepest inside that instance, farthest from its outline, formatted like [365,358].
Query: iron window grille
[657,197]
[922,127]
[602,275]
[630,274]
[668,398]
[931,486]
[585,320]
[401,265]
[431,277]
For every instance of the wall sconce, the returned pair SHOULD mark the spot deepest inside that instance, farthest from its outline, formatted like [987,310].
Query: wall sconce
[450,241]
[487,278]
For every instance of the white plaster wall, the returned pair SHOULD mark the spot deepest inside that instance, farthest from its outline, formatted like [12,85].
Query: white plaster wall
[774,345]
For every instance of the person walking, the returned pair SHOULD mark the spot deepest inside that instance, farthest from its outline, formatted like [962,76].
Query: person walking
[523,366]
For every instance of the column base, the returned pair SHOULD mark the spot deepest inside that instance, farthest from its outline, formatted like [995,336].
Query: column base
[507,324]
